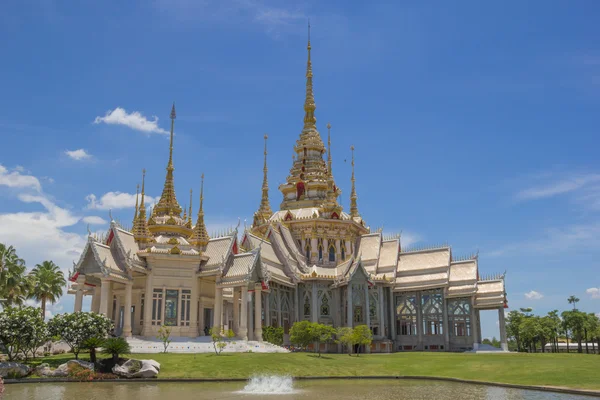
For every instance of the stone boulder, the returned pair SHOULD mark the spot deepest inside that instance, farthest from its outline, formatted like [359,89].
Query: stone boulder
[63,369]
[137,369]
[14,370]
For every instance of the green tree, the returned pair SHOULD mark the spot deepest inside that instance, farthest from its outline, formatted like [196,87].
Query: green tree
[555,326]
[573,300]
[92,344]
[575,320]
[273,335]
[22,331]
[530,332]
[321,333]
[513,327]
[590,325]
[218,337]
[345,336]
[47,282]
[115,346]
[14,284]
[164,335]
[301,335]
[362,336]
[76,328]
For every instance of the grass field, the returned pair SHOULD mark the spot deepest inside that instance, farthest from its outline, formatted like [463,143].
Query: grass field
[580,371]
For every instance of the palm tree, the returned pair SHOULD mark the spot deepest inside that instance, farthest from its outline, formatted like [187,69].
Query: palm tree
[573,300]
[14,285]
[47,284]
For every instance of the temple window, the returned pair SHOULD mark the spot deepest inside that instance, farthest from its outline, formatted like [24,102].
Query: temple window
[157,300]
[274,305]
[432,312]
[331,252]
[373,303]
[343,254]
[305,152]
[186,296]
[358,314]
[320,247]
[406,311]
[307,249]
[459,317]
[171,300]
[306,306]
[299,190]
[324,296]
[142,301]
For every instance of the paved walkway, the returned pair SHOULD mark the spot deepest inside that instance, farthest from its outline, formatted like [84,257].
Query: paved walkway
[202,344]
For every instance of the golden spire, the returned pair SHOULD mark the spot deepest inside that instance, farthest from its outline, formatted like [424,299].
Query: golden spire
[168,205]
[265,207]
[309,102]
[189,221]
[200,236]
[329,150]
[140,226]
[353,196]
[137,195]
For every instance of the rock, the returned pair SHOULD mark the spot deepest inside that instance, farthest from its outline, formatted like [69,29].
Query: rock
[137,369]
[63,369]
[13,370]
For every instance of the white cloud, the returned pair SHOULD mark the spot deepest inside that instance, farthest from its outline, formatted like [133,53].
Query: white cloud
[115,200]
[134,120]
[15,179]
[561,186]
[533,295]
[94,220]
[79,154]
[594,292]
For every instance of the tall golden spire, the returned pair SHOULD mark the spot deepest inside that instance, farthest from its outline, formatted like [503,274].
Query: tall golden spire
[189,221]
[353,196]
[309,102]
[265,207]
[140,226]
[329,172]
[200,236]
[137,195]
[168,205]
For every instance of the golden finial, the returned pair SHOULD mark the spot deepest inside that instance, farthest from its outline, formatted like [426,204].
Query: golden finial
[353,196]
[329,148]
[309,103]
[190,214]
[200,236]
[168,205]
[140,225]
[173,115]
[137,195]
[265,207]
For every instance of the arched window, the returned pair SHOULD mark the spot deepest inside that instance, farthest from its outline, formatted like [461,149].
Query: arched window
[331,252]
[343,254]
[320,245]
[299,190]
[307,249]
[305,152]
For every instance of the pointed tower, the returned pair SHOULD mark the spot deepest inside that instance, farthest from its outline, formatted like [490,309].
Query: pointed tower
[353,197]
[306,186]
[189,220]
[331,204]
[140,225]
[168,205]
[264,211]
[135,215]
[200,236]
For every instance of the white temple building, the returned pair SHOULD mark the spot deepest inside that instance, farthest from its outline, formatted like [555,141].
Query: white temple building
[310,260]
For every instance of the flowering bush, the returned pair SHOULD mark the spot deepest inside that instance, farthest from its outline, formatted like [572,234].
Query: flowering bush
[75,328]
[22,331]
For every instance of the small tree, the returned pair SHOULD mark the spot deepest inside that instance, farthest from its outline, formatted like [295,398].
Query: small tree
[321,333]
[218,337]
[116,346]
[345,336]
[92,344]
[362,336]
[164,335]
[273,335]
[75,328]
[301,334]
[22,330]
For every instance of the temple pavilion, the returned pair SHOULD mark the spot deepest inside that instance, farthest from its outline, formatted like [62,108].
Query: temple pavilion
[308,260]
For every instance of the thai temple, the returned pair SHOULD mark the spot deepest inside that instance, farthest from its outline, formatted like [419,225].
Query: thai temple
[308,260]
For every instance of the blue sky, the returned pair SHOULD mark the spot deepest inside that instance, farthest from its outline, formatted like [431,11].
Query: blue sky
[475,123]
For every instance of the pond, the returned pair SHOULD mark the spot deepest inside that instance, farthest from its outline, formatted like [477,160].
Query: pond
[276,388]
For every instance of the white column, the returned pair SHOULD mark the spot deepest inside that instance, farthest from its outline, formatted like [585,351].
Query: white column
[338,251]
[445,326]
[348,250]
[314,251]
[419,323]
[236,311]
[267,298]
[78,297]
[279,299]
[117,313]
[381,310]
[218,309]
[105,297]
[96,299]
[349,300]
[201,322]
[314,316]
[148,302]
[296,303]
[392,315]
[502,323]
[474,324]
[127,313]
[243,329]
[250,318]
[325,250]
[367,306]
[258,312]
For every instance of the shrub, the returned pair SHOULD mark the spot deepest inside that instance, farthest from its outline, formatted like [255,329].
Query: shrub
[75,328]
[273,335]
[164,335]
[116,346]
[92,344]
[22,331]
[79,373]
[301,335]
[362,336]
[217,337]
[136,366]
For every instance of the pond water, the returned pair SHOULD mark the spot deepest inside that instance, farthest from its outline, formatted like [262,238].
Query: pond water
[276,388]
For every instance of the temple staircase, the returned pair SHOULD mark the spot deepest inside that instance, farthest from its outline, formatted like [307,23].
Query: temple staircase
[202,344]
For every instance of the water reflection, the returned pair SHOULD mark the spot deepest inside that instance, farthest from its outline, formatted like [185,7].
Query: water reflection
[323,390]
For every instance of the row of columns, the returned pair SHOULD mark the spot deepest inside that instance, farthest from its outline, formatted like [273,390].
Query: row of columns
[241,308]
[314,249]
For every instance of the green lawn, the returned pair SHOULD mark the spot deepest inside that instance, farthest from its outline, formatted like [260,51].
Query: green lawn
[579,371]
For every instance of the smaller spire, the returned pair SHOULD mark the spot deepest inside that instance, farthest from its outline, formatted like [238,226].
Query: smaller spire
[140,226]
[353,196]
[264,210]
[329,149]
[137,195]
[190,213]
[200,236]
